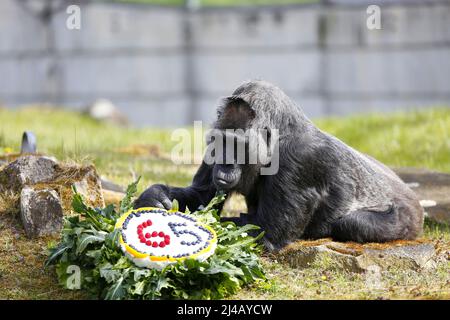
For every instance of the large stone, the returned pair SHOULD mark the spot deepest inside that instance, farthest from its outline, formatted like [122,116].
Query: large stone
[27,170]
[433,189]
[354,257]
[45,173]
[41,212]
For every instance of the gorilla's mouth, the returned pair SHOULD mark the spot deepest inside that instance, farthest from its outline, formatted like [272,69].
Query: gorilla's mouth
[223,184]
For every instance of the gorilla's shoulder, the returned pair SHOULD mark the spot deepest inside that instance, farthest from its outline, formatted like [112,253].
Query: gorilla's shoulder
[312,150]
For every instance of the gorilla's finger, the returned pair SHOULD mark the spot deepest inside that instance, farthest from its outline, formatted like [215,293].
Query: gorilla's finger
[157,204]
[167,203]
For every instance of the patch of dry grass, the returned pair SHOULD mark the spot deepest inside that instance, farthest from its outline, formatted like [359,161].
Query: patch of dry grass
[22,273]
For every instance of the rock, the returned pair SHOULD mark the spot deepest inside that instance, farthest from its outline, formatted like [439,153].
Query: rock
[431,187]
[111,186]
[413,256]
[45,190]
[27,170]
[89,185]
[354,257]
[105,110]
[41,212]
[44,172]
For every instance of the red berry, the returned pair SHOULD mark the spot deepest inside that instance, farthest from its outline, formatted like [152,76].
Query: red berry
[148,242]
[154,234]
[147,235]
[161,234]
[155,244]
[149,222]
[144,224]
[142,240]
[167,241]
[162,244]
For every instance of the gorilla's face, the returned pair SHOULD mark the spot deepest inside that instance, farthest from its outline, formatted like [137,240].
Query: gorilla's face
[229,150]
[235,165]
[238,151]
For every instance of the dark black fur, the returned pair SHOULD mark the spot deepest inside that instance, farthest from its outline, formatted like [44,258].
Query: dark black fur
[323,187]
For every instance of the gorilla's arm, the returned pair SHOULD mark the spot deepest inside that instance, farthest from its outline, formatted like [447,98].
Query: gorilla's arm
[199,193]
[284,214]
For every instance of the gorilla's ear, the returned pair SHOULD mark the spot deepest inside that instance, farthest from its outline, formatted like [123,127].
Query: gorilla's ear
[235,114]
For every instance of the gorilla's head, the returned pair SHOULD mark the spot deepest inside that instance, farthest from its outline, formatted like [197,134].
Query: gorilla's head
[237,149]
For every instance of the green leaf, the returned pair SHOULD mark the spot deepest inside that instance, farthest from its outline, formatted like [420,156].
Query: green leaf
[94,254]
[86,239]
[175,205]
[77,202]
[109,212]
[108,273]
[116,291]
[225,267]
[112,239]
[123,263]
[138,288]
[56,253]
[127,202]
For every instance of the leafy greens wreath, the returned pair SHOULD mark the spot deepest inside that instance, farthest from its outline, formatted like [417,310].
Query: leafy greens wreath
[90,243]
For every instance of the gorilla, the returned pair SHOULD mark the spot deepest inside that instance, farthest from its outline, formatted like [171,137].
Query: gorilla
[322,188]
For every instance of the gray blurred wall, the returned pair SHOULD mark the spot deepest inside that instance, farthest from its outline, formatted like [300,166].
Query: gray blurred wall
[168,66]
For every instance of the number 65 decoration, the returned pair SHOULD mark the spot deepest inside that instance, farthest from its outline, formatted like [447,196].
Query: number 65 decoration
[154,238]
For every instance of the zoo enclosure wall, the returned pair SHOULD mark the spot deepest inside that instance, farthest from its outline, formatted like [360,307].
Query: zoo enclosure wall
[167,66]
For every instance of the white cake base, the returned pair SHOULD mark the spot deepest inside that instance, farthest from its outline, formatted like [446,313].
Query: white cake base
[155,238]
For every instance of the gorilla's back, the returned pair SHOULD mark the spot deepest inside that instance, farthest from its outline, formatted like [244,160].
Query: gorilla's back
[373,184]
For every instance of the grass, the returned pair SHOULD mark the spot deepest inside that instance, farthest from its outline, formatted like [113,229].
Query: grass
[415,139]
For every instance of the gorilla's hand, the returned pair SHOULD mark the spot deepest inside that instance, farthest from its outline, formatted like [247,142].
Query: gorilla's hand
[157,195]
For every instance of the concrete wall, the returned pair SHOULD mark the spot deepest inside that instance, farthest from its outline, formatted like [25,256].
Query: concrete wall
[168,67]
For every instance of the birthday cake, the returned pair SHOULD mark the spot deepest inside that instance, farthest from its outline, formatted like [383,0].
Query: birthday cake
[155,238]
